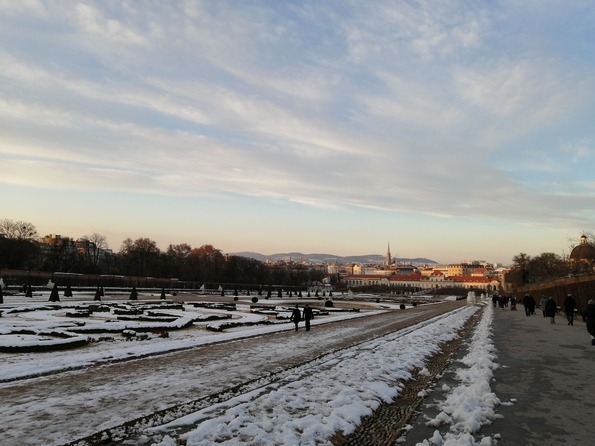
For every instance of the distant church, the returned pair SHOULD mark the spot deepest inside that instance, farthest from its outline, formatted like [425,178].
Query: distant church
[388,260]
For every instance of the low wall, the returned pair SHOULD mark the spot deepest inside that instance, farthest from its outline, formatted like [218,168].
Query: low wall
[581,287]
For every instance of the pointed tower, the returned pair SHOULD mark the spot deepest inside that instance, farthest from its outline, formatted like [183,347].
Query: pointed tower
[388,260]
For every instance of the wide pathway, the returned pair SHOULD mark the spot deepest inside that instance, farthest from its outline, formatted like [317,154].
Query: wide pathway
[546,383]
[549,372]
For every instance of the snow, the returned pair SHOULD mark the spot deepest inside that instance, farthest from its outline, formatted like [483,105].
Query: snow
[472,403]
[306,405]
[309,406]
[41,318]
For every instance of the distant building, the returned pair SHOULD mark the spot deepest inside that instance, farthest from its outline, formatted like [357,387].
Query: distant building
[582,256]
[418,280]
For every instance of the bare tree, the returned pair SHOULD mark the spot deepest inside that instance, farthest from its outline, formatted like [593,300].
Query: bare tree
[18,245]
[18,230]
[94,247]
[140,255]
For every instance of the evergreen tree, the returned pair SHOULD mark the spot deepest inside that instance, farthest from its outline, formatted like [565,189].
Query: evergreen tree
[162,293]
[133,294]
[97,294]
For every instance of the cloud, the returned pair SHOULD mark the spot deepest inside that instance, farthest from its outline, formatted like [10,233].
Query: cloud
[584,148]
[414,107]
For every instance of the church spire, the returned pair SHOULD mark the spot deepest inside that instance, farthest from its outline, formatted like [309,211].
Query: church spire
[389,259]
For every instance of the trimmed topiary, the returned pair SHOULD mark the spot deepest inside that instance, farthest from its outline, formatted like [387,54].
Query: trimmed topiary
[329,303]
[133,294]
[54,296]
[254,299]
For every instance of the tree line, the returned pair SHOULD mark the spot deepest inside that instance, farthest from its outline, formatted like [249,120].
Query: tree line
[22,248]
[546,266]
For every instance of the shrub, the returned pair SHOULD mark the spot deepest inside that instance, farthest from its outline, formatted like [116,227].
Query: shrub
[328,303]
[54,297]
[254,299]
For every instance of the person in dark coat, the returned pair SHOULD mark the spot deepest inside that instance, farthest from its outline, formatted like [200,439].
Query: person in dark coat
[589,318]
[529,304]
[296,316]
[308,316]
[569,306]
[551,309]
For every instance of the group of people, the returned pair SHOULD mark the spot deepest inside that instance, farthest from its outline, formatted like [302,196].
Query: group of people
[297,316]
[503,301]
[549,309]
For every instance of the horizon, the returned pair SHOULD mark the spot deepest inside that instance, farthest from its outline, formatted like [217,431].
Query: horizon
[455,131]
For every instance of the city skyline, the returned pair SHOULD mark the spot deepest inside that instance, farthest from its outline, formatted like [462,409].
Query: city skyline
[457,131]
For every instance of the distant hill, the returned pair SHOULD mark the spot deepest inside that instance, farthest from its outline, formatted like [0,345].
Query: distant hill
[329,258]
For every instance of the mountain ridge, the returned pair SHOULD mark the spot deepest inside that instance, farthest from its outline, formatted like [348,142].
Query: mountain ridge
[330,258]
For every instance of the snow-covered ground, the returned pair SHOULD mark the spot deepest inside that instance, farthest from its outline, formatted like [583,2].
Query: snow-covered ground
[310,404]
[113,337]
[306,405]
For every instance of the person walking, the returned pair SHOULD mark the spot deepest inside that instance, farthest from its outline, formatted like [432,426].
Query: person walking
[529,304]
[551,309]
[513,303]
[569,306]
[308,316]
[295,316]
[542,304]
[589,318]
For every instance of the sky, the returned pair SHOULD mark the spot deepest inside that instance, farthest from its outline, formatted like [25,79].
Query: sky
[454,131]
